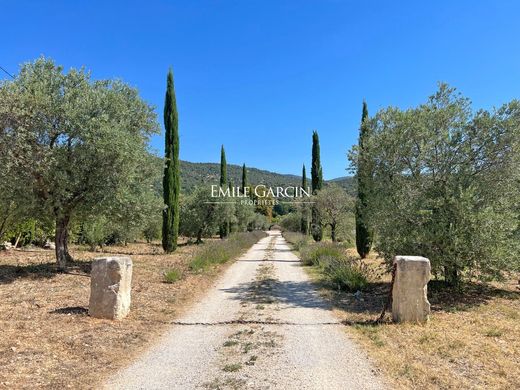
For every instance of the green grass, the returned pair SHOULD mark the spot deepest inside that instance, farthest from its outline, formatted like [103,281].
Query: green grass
[247,347]
[252,360]
[172,275]
[332,262]
[297,240]
[372,332]
[314,254]
[493,332]
[219,252]
[230,343]
[232,367]
[345,274]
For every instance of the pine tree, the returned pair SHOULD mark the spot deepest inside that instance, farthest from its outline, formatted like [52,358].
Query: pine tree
[171,178]
[244,178]
[317,183]
[305,211]
[364,234]
[224,227]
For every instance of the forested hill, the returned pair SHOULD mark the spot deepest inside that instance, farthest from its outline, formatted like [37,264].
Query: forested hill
[198,174]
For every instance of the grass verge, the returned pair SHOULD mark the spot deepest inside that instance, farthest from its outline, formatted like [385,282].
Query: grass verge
[219,252]
[336,267]
[47,339]
[472,340]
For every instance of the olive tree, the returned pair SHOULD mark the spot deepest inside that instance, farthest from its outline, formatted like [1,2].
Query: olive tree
[446,185]
[333,204]
[82,143]
[199,214]
[244,215]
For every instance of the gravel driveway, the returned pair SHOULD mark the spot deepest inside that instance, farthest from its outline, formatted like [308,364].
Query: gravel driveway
[262,326]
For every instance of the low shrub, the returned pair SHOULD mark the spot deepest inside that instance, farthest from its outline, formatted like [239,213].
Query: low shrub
[297,240]
[313,254]
[332,262]
[344,273]
[172,275]
[218,252]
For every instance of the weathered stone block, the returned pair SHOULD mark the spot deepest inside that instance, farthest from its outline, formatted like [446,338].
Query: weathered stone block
[409,293]
[110,284]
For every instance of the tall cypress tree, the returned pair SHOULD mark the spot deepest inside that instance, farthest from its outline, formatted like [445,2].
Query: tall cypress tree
[223,167]
[317,183]
[224,227]
[171,177]
[364,234]
[305,211]
[244,178]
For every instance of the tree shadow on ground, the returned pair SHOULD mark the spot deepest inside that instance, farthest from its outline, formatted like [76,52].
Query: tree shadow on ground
[365,306]
[9,273]
[441,296]
[289,293]
[73,310]
[444,297]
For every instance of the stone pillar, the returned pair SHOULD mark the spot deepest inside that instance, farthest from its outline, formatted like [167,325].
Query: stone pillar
[110,284]
[409,293]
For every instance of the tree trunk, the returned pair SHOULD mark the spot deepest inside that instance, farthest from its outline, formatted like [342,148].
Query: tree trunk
[333,232]
[199,237]
[17,240]
[451,275]
[61,241]
[3,225]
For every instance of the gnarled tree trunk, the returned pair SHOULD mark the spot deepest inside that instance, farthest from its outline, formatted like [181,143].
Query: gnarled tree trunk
[199,237]
[333,232]
[61,240]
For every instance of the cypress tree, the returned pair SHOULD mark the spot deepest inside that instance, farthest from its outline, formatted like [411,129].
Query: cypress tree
[317,183]
[244,178]
[305,219]
[171,177]
[224,227]
[223,167]
[364,234]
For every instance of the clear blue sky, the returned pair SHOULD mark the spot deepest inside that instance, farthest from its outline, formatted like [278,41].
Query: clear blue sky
[259,76]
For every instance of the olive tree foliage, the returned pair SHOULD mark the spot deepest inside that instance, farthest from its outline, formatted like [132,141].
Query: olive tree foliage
[202,217]
[15,203]
[135,213]
[225,214]
[293,221]
[333,205]
[245,216]
[446,185]
[198,215]
[80,144]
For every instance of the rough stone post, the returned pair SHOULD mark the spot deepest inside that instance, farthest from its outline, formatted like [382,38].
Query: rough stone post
[110,284]
[409,293]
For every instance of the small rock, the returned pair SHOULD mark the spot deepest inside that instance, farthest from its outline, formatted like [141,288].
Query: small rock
[49,245]
[5,246]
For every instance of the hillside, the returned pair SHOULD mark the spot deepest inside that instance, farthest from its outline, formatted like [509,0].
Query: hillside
[197,174]
[205,174]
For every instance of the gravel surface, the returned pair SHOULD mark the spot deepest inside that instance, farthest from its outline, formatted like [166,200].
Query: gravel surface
[262,326]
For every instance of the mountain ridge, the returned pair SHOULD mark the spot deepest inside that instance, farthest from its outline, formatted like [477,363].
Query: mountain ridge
[195,174]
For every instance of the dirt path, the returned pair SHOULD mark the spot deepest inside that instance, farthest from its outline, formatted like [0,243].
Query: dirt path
[262,326]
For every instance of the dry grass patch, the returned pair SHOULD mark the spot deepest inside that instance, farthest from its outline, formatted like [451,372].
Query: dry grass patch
[472,339]
[47,339]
